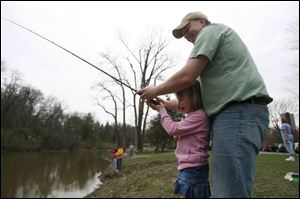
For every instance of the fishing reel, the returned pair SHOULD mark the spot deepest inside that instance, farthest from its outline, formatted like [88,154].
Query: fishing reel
[152,101]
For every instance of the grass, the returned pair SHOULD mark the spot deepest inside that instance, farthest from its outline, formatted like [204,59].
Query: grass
[270,172]
[105,145]
[153,175]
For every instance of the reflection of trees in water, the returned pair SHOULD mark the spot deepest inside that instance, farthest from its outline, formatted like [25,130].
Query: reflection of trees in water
[38,174]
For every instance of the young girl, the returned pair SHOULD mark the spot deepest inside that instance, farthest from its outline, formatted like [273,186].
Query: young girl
[287,137]
[192,134]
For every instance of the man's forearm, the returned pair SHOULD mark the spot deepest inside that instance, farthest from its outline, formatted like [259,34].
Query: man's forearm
[184,77]
[179,81]
[175,83]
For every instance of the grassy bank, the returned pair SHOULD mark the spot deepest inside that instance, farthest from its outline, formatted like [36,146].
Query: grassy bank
[153,175]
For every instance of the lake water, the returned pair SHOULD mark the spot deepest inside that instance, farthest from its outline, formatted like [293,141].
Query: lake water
[51,174]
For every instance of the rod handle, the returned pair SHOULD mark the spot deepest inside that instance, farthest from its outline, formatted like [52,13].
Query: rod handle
[152,101]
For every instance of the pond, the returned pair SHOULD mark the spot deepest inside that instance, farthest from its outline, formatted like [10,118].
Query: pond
[51,174]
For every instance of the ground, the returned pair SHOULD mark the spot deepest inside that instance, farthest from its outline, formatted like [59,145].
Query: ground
[153,175]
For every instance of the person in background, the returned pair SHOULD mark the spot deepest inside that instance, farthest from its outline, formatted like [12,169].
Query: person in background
[234,96]
[192,137]
[131,150]
[114,155]
[287,137]
[120,153]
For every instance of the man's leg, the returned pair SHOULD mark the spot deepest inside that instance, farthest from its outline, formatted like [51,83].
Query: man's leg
[238,132]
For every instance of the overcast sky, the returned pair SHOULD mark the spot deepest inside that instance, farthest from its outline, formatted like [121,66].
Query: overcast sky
[89,28]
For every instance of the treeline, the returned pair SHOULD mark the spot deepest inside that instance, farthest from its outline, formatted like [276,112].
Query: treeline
[31,121]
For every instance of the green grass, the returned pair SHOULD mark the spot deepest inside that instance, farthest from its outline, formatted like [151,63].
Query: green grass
[153,175]
[270,172]
[105,145]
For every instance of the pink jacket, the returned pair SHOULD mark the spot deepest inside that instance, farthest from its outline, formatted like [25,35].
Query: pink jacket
[191,150]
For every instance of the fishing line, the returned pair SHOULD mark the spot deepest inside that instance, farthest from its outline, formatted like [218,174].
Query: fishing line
[71,53]
[151,100]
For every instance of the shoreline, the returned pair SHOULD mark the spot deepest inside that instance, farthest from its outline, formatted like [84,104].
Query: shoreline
[141,176]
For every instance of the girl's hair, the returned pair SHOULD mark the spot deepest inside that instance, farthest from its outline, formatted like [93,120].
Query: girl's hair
[194,94]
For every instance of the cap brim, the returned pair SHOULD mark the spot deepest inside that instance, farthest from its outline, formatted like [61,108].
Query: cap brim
[177,32]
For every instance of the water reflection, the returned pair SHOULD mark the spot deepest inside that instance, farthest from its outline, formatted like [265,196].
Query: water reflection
[51,174]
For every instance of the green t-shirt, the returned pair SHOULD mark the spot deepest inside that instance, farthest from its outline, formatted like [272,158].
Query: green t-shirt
[231,74]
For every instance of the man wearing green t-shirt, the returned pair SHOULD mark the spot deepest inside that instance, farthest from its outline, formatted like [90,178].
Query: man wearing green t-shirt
[233,94]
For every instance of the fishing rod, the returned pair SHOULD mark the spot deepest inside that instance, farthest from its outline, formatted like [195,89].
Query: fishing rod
[119,81]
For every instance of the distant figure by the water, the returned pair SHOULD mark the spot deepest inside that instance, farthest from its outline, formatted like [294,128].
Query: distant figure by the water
[131,150]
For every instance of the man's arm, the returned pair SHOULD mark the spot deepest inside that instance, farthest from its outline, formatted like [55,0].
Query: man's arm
[179,81]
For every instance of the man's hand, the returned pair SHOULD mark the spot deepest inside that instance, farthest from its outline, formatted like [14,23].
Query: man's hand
[149,92]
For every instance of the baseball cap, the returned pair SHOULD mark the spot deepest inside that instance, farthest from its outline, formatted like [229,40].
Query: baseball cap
[177,32]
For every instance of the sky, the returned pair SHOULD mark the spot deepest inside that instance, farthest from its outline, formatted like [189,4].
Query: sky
[91,28]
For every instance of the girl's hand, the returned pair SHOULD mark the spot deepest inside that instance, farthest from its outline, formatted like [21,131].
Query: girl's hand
[155,107]
[176,138]
[169,104]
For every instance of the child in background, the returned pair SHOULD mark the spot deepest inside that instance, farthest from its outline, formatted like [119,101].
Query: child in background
[287,137]
[192,136]
[119,154]
[114,155]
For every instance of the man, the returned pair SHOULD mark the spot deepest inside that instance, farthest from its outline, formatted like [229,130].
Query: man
[233,95]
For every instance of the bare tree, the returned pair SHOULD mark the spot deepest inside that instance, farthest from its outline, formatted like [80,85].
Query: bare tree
[146,64]
[293,45]
[114,113]
[120,75]
[10,88]
[278,107]
[3,67]
[293,30]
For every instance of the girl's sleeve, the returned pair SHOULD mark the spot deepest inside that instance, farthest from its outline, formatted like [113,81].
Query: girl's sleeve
[191,124]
